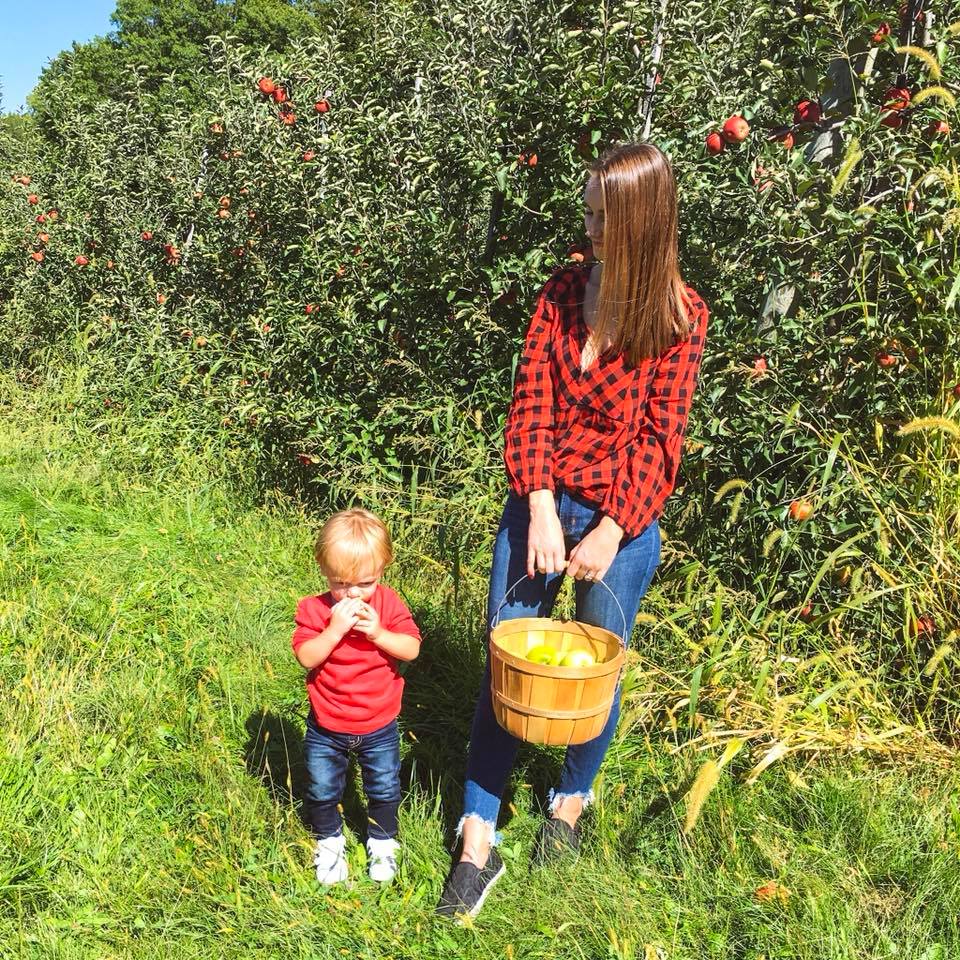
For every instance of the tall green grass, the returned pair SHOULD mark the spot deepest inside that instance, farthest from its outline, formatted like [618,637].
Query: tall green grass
[151,770]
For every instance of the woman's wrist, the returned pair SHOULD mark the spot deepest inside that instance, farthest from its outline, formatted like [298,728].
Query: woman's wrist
[541,501]
[611,528]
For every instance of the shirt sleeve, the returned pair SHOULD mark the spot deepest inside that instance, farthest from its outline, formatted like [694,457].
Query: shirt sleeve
[529,434]
[647,476]
[397,618]
[311,619]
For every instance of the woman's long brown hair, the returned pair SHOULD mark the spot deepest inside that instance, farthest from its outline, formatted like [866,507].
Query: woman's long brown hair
[642,297]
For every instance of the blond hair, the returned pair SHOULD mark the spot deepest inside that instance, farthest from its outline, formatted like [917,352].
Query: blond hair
[642,303]
[349,541]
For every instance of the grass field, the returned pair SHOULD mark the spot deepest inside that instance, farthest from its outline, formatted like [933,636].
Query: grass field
[151,767]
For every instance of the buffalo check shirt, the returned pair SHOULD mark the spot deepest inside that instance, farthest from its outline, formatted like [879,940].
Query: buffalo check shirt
[612,434]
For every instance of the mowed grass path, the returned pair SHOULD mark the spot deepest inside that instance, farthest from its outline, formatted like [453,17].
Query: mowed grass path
[150,769]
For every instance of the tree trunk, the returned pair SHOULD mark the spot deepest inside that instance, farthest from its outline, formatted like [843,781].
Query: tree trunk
[656,55]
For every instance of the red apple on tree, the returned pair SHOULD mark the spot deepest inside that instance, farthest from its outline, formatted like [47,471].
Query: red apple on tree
[881,33]
[885,359]
[807,111]
[896,98]
[266,86]
[760,178]
[801,509]
[33,199]
[322,106]
[735,129]
[580,252]
[786,139]
[81,260]
[146,236]
[715,143]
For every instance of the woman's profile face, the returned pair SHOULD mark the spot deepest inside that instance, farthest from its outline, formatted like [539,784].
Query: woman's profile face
[593,214]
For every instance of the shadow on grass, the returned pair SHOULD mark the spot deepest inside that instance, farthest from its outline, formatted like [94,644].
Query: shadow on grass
[274,756]
[442,686]
[441,689]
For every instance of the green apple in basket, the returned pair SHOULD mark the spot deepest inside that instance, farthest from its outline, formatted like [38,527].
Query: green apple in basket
[543,653]
[578,658]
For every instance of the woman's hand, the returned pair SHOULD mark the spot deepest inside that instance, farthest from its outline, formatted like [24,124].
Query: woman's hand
[590,559]
[546,549]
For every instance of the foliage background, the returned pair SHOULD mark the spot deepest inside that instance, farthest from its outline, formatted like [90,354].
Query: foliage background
[418,293]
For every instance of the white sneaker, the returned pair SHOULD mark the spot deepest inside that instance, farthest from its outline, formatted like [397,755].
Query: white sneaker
[330,859]
[383,859]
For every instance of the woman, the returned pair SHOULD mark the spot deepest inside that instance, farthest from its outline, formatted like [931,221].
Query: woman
[592,445]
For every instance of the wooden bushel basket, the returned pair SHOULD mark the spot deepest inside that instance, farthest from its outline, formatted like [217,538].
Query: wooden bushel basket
[542,703]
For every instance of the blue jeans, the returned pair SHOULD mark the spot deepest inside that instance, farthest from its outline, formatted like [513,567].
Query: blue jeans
[492,749]
[327,756]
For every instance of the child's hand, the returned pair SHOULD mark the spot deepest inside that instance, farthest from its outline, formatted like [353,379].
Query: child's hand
[369,621]
[345,614]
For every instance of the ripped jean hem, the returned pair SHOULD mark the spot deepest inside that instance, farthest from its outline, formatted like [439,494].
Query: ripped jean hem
[554,798]
[492,833]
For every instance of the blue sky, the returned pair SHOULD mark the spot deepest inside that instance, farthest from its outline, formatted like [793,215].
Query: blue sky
[34,33]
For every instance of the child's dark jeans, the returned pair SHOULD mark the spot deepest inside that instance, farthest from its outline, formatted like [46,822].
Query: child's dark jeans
[327,756]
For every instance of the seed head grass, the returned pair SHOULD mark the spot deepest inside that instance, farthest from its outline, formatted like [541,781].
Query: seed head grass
[151,768]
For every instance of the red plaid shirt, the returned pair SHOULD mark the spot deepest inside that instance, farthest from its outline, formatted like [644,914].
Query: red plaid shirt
[612,434]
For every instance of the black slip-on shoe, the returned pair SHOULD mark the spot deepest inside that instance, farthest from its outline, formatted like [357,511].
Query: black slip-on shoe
[556,840]
[467,886]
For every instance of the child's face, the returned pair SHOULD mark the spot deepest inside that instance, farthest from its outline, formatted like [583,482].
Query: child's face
[362,586]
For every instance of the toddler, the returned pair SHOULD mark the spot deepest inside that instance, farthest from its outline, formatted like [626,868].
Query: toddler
[350,640]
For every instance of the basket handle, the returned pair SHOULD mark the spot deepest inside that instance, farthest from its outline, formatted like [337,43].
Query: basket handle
[623,616]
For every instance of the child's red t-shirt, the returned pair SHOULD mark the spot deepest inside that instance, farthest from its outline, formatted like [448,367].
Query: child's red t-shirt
[357,689]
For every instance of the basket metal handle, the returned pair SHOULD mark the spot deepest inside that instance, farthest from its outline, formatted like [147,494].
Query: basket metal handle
[496,615]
